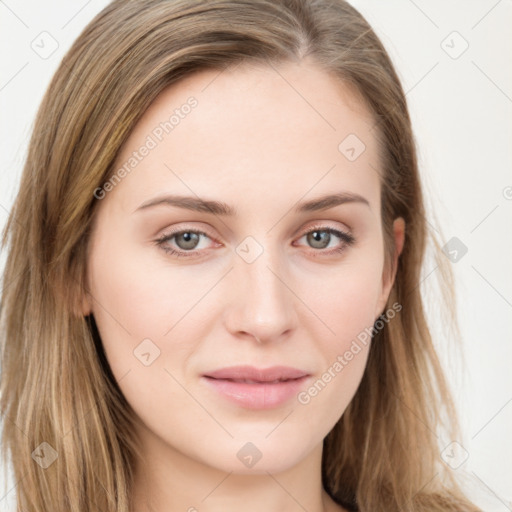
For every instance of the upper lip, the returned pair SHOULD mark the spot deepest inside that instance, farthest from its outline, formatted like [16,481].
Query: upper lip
[251,373]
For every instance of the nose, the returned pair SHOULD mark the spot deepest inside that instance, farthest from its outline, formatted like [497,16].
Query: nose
[263,305]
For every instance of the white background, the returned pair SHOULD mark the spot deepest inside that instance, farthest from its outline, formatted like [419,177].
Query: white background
[461,109]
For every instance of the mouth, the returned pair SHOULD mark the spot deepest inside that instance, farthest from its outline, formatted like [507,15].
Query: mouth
[254,388]
[250,381]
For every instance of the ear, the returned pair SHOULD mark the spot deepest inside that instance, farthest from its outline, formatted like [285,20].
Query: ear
[85,306]
[80,301]
[84,299]
[80,306]
[388,278]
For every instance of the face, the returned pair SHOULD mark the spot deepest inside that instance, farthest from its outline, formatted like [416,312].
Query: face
[217,248]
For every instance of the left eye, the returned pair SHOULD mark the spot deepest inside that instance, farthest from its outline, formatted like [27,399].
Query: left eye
[187,241]
[321,237]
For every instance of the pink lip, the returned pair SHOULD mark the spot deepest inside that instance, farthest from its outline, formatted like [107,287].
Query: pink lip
[255,388]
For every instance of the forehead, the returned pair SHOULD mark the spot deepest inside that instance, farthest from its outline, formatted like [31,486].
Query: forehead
[276,128]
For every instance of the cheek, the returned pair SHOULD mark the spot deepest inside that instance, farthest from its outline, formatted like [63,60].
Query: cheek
[346,304]
[141,314]
[136,305]
[347,308]
[346,300]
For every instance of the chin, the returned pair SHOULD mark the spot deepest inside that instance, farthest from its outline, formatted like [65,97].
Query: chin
[259,454]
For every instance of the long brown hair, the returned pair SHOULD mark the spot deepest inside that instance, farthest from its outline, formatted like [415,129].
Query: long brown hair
[58,396]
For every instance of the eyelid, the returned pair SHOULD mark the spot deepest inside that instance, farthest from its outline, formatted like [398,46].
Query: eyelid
[323,225]
[343,234]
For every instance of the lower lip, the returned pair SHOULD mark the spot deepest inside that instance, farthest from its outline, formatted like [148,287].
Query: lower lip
[259,395]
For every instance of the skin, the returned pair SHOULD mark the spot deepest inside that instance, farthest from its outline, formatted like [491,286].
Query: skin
[261,139]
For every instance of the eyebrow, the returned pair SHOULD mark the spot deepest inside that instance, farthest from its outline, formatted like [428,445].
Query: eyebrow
[198,204]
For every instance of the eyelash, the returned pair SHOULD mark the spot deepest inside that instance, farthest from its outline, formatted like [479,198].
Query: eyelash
[347,238]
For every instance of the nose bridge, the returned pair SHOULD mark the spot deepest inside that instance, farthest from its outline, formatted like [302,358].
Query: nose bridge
[264,303]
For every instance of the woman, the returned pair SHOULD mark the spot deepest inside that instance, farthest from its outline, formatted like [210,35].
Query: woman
[214,266]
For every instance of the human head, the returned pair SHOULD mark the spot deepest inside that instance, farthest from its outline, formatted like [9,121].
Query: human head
[129,55]
[251,290]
